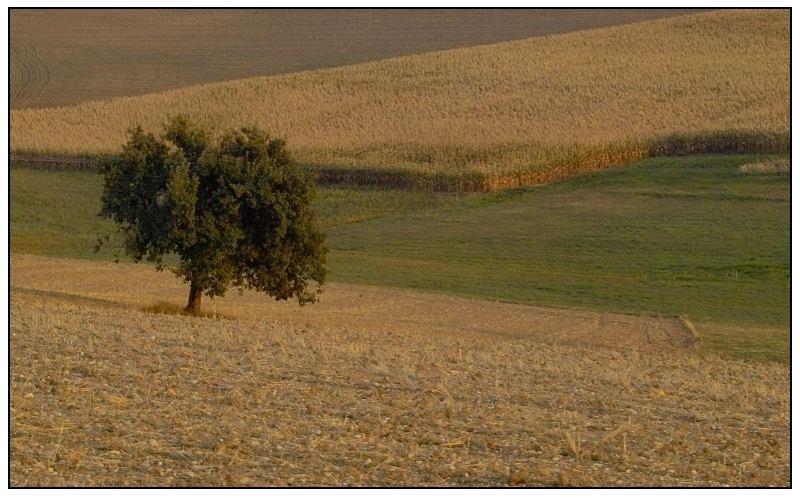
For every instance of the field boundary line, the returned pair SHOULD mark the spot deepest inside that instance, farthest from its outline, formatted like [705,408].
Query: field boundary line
[565,162]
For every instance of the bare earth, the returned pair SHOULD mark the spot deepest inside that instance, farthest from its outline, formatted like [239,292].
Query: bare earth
[371,386]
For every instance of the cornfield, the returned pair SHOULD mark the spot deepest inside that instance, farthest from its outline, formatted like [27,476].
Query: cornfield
[486,117]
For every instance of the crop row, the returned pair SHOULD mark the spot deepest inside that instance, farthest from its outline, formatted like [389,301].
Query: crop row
[492,168]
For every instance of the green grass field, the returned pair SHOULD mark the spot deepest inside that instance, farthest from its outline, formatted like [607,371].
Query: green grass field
[666,236]
[55,212]
[670,236]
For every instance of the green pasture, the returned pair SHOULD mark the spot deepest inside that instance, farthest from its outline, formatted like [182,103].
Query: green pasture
[666,236]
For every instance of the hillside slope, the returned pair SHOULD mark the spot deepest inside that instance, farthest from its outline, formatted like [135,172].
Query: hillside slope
[96,54]
[493,113]
[352,307]
[106,395]
[693,236]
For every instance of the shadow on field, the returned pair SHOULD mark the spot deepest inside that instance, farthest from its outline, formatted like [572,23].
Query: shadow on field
[167,308]
[67,297]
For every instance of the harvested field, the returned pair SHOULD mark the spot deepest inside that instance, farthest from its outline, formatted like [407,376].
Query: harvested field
[29,74]
[103,394]
[97,54]
[353,307]
[711,82]
[625,328]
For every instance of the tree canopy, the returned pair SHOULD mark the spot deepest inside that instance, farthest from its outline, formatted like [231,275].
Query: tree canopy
[237,211]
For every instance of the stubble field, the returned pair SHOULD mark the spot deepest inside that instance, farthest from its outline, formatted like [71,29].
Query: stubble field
[109,387]
[106,394]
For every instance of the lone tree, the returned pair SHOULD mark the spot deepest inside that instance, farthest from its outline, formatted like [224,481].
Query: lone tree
[237,211]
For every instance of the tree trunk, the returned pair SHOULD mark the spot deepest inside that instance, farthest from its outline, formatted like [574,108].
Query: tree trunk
[195,298]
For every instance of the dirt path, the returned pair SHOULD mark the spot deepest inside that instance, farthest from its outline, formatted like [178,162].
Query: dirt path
[352,307]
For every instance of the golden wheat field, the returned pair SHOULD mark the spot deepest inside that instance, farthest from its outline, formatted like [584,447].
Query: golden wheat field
[491,112]
[103,393]
[66,56]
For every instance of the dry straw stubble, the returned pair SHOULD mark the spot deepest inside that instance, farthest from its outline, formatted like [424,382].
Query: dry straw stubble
[103,394]
[115,397]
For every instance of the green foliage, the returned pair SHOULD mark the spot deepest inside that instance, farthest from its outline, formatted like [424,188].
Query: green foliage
[236,213]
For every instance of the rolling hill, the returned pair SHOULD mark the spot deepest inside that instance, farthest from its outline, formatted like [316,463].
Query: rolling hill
[491,116]
[104,394]
[67,56]
[625,328]
[692,236]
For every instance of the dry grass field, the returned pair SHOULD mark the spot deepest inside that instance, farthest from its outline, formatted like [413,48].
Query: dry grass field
[63,57]
[103,393]
[774,167]
[490,116]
